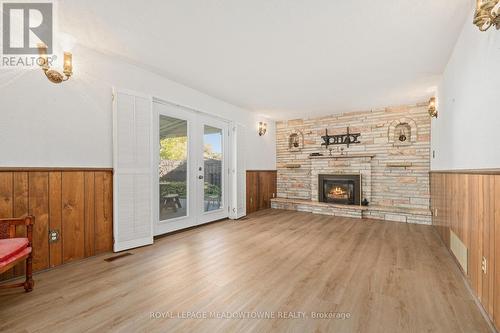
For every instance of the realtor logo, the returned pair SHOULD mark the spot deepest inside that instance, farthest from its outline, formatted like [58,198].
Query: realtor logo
[25,26]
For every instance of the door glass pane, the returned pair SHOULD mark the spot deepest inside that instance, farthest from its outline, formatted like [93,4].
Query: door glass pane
[212,156]
[173,167]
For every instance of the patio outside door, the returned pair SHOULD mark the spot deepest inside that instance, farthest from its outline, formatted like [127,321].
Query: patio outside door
[192,159]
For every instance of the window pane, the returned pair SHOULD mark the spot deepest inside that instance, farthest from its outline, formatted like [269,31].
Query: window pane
[173,167]
[212,156]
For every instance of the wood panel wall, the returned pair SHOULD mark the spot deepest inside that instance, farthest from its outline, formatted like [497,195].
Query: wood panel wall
[77,203]
[469,205]
[261,188]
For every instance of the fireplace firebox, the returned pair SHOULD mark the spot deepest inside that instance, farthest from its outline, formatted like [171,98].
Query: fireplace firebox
[340,189]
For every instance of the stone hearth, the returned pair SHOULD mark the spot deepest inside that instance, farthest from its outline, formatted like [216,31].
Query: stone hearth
[418,216]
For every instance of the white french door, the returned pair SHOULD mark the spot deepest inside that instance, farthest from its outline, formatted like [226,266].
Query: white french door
[193,166]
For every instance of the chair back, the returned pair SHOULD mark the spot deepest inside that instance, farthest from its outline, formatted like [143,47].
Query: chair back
[4,231]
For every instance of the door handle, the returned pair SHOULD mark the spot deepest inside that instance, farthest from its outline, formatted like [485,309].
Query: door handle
[200,177]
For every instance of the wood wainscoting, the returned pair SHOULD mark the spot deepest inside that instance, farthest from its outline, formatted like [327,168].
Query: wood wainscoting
[77,203]
[261,188]
[468,203]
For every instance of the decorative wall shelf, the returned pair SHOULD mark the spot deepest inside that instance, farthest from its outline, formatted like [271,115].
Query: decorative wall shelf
[399,164]
[292,166]
[336,157]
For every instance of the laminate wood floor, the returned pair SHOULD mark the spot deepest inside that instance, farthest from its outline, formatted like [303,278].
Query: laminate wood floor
[370,276]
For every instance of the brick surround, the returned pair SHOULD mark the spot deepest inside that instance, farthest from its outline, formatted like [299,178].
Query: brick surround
[395,175]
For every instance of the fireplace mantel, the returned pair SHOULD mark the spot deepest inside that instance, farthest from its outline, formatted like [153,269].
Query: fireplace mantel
[337,157]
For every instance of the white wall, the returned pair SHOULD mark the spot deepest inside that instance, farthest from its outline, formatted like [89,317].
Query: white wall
[70,125]
[466,133]
[260,154]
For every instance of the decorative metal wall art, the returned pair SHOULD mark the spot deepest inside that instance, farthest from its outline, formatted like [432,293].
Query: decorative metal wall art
[340,139]
[295,141]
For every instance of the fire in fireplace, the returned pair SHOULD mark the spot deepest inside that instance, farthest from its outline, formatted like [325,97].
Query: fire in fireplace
[339,193]
[340,189]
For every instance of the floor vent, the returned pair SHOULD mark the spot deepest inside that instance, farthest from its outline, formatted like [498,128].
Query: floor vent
[122,255]
[460,251]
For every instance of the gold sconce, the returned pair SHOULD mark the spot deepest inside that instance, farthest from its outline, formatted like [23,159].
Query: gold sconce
[53,75]
[487,14]
[262,128]
[432,108]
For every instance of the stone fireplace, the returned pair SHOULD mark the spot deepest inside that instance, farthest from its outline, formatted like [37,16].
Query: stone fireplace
[339,189]
[391,160]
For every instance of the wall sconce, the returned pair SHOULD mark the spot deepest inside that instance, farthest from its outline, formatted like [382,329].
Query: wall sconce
[487,14]
[53,75]
[262,128]
[432,108]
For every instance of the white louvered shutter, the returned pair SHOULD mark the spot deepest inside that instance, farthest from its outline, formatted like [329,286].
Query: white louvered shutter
[133,170]
[239,174]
